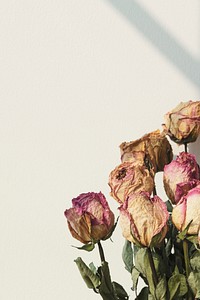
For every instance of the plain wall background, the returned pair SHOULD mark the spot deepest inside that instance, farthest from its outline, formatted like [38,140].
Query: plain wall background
[77,79]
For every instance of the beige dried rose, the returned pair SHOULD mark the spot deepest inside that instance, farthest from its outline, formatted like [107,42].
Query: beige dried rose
[152,150]
[90,218]
[180,175]
[129,177]
[182,124]
[144,219]
[187,210]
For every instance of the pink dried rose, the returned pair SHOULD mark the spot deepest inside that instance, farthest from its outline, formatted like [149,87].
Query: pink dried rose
[152,150]
[180,175]
[90,218]
[144,219]
[129,177]
[182,124]
[187,210]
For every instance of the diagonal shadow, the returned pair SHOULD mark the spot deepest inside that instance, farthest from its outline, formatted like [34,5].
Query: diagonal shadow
[160,38]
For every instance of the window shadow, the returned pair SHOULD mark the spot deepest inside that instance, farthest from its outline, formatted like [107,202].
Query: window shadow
[160,38]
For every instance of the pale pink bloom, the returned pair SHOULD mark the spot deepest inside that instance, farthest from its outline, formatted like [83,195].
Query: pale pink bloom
[144,219]
[187,210]
[90,218]
[182,124]
[180,175]
[129,177]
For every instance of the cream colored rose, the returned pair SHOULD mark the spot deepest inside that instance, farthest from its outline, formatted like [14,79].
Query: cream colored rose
[144,219]
[90,218]
[152,150]
[187,210]
[129,177]
[182,124]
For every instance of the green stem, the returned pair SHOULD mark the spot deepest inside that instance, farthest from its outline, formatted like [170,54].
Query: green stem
[101,252]
[186,257]
[185,145]
[154,191]
[187,264]
[153,269]
[106,282]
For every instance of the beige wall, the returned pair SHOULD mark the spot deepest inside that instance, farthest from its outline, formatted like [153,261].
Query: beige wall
[78,78]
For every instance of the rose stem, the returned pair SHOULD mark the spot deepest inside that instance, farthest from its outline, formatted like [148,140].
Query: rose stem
[106,276]
[187,264]
[101,253]
[154,191]
[185,144]
[153,269]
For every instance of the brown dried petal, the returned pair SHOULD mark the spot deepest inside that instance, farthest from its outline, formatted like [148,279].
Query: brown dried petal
[182,124]
[152,150]
[127,178]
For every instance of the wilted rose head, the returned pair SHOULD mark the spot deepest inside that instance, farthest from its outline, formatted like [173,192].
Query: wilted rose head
[182,124]
[152,150]
[90,218]
[129,177]
[187,210]
[144,219]
[180,175]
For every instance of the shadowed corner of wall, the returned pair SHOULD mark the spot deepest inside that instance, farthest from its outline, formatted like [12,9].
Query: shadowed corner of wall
[160,38]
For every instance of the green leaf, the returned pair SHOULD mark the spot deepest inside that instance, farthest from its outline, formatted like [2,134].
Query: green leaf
[177,286]
[193,239]
[195,261]
[135,275]
[127,256]
[168,247]
[93,268]
[119,291]
[143,266]
[182,235]
[194,283]
[161,289]
[106,288]
[92,280]
[87,247]
[143,295]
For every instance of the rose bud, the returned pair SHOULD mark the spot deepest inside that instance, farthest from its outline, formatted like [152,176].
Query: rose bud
[129,177]
[152,150]
[178,174]
[90,218]
[187,210]
[183,188]
[182,124]
[144,219]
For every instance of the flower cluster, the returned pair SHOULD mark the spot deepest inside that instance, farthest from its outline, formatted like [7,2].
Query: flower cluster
[162,236]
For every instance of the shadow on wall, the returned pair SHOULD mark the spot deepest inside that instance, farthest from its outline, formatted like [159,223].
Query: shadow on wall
[160,38]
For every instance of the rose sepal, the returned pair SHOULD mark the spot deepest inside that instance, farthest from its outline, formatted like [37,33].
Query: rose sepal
[87,247]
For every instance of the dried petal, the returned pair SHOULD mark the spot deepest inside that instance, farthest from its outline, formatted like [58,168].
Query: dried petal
[182,124]
[90,218]
[152,150]
[182,170]
[129,177]
[142,218]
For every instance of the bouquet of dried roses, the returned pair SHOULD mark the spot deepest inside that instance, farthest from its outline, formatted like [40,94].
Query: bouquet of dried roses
[162,236]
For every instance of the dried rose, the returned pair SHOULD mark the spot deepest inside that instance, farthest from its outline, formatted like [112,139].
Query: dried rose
[144,219]
[152,150]
[178,174]
[182,124]
[129,177]
[187,210]
[90,218]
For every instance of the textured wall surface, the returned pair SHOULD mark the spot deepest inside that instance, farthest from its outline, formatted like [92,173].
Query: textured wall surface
[77,79]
